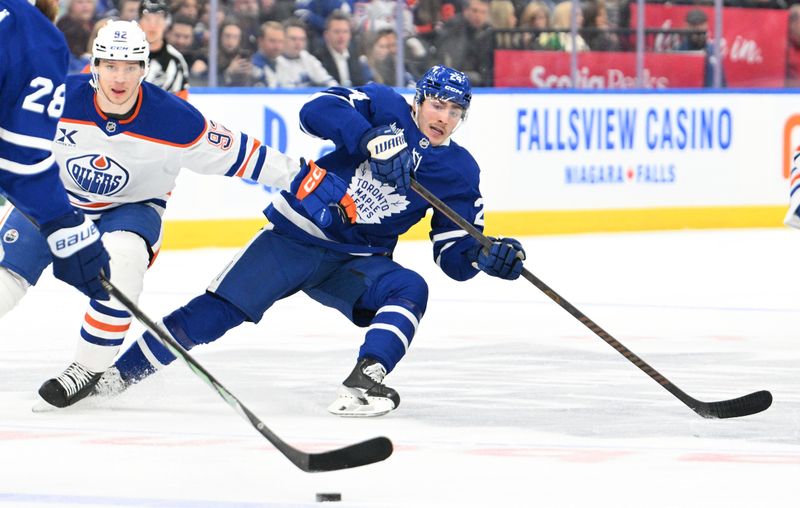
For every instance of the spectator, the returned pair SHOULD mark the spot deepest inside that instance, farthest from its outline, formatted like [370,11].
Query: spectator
[234,66]
[596,29]
[315,13]
[345,66]
[167,69]
[381,57]
[697,20]
[246,13]
[298,68]
[793,48]
[562,39]
[86,58]
[76,25]
[181,36]
[186,9]
[502,17]
[126,10]
[203,25]
[462,42]
[270,46]
[536,18]
[275,10]
[430,14]
[375,15]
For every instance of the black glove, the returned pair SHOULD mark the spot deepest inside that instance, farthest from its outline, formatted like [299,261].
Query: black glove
[78,254]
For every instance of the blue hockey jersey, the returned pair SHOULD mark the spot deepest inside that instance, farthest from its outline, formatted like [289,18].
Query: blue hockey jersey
[343,115]
[33,64]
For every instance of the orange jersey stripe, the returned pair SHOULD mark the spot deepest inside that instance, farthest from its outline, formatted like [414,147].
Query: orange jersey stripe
[162,142]
[104,326]
[256,144]
[90,205]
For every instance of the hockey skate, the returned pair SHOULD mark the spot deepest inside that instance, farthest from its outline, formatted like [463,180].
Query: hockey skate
[75,383]
[363,392]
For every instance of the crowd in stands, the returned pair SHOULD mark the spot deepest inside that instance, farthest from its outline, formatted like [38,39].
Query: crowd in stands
[316,43]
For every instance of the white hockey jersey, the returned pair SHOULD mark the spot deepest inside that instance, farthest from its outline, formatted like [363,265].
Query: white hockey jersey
[106,162]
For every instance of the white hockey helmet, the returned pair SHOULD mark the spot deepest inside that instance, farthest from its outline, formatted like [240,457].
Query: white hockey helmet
[121,40]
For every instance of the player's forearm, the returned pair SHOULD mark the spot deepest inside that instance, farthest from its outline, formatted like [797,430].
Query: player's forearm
[41,197]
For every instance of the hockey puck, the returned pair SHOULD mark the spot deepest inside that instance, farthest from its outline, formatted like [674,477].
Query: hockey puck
[323,497]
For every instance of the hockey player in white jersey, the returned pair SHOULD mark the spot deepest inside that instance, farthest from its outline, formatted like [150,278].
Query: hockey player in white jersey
[33,64]
[120,145]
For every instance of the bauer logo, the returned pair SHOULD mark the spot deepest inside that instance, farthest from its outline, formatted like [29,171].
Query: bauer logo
[97,174]
[275,134]
[791,142]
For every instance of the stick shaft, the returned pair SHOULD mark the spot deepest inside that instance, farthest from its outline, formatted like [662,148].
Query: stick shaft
[752,403]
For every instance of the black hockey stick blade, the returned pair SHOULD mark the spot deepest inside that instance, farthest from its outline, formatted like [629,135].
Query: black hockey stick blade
[749,404]
[742,406]
[359,454]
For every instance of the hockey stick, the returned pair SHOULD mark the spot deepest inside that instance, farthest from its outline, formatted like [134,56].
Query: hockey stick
[359,454]
[742,406]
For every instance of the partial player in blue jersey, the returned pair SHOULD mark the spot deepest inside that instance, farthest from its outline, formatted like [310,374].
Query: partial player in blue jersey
[33,64]
[120,146]
[341,255]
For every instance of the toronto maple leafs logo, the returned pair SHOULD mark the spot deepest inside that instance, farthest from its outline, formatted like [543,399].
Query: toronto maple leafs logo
[374,200]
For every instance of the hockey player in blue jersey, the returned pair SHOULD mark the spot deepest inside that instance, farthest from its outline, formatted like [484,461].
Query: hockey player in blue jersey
[119,160]
[33,64]
[381,143]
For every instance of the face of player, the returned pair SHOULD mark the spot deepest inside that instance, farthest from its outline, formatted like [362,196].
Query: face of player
[119,85]
[437,119]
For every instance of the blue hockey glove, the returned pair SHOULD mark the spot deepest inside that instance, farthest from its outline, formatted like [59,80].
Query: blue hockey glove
[78,253]
[389,158]
[503,259]
[317,190]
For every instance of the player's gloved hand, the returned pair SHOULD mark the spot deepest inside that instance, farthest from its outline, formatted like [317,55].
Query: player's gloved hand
[504,258]
[317,190]
[78,253]
[389,158]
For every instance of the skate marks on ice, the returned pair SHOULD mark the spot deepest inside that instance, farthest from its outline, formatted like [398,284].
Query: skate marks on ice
[506,398]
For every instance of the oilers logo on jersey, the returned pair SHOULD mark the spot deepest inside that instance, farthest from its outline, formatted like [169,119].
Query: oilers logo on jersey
[11,236]
[97,174]
[374,199]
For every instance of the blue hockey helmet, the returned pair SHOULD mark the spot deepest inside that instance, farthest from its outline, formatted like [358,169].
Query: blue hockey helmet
[446,84]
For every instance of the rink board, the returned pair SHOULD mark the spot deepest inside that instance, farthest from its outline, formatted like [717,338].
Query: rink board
[552,162]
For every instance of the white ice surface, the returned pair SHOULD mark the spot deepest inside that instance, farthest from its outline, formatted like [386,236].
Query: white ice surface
[507,400]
